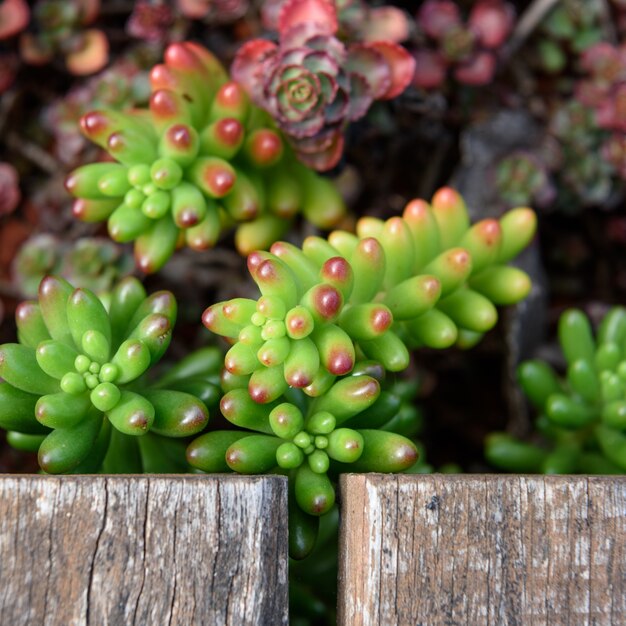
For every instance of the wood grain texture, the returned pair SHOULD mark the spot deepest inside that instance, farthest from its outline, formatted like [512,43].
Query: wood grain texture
[476,550]
[117,550]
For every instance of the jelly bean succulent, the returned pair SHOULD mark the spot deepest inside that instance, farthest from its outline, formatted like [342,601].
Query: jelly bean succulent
[582,415]
[200,159]
[313,84]
[75,386]
[302,376]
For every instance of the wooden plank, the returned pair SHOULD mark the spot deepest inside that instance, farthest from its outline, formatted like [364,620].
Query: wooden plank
[475,550]
[118,550]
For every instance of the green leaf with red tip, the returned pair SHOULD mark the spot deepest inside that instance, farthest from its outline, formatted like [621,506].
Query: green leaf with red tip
[365,321]
[19,368]
[155,331]
[302,364]
[133,414]
[127,223]
[126,297]
[418,216]
[253,455]
[62,410]
[65,448]
[31,327]
[518,228]
[314,492]
[451,215]
[239,409]
[154,247]
[347,397]
[86,312]
[208,452]
[55,358]
[54,293]
[335,348]
[177,414]
[267,384]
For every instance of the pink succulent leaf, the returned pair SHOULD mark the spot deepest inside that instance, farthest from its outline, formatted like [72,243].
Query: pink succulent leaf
[250,65]
[430,69]
[401,65]
[367,62]
[318,61]
[479,70]
[614,152]
[385,24]
[319,12]
[329,45]
[438,17]
[328,85]
[9,189]
[361,97]
[337,109]
[293,56]
[14,16]
[492,21]
[90,55]
[322,152]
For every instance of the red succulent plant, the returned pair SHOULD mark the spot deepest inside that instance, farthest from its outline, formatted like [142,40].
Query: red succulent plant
[465,48]
[313,84]
[9,189]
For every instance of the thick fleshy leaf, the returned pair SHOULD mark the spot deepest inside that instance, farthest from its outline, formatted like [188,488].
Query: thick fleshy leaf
[386,23]
[479,70]
[248,67]
[401,65]
[322,13]
[438,17]
[92,54]
[321,152]
[367,62]
[492,20]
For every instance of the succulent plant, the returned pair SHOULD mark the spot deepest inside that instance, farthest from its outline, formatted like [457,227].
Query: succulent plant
[123,85]
[357,20]
[58,29]
[569,29]
[151,22]
[302,377]
[202,158]
[521,178]
[312,84]
[75,387]
[582,416]
[92,262]
[465,49]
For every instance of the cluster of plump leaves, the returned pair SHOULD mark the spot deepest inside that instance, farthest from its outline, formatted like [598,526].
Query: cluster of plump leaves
[75,386]
[303,376]
[93,262]
[58,28]
[582,415]
[313,84]
[200,159]
[466,49]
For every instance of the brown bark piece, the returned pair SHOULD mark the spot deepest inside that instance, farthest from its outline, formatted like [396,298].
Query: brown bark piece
[118,550]
[470,549]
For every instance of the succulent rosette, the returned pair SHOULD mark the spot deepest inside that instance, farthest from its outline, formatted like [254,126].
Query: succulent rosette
[306,359]
[92,262]
[200,160]
[75,388]
[581,426]
[467,49]
[312,84]
[59,28]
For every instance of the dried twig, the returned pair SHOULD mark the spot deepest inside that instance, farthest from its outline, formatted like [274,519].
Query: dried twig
[526,25]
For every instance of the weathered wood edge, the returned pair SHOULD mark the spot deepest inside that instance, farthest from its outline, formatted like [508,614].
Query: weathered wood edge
[355,517]
[229,490]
